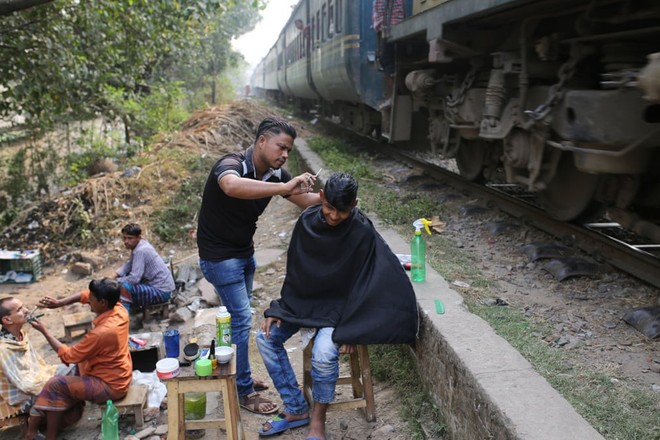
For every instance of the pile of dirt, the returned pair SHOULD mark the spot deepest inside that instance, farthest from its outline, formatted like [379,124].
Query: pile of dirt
[220,129]
[84,216]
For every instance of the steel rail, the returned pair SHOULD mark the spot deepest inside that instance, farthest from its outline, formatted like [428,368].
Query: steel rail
[601,247]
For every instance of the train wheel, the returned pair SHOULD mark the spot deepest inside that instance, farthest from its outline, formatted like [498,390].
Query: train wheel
[471,159]
[570,195]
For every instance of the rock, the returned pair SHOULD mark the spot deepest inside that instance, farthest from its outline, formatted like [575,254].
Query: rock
[145,432]
[151,413]
[154,437]
[86,257]
[131,437]
[182,315]
[193,291]
[131,171]
[383,432]
[208,293]
[610,325]
[181,301]
[161,429]
[82,269]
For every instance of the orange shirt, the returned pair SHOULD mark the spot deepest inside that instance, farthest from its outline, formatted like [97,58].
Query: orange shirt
[103,352]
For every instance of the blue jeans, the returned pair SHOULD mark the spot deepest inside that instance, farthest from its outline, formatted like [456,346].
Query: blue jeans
[325,366]
[233,280]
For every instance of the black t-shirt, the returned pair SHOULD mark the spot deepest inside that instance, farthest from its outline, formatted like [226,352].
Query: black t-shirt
[226,224]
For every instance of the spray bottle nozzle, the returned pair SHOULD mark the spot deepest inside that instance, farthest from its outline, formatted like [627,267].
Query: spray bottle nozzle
[422,223]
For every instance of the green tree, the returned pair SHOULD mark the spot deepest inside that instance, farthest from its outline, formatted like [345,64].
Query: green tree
[57,61]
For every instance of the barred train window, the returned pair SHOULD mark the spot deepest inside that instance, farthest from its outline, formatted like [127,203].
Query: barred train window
[324,25]
[331,19]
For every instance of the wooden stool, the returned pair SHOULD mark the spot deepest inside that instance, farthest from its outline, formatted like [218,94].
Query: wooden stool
[161,309]
[133,403]
[223,379]
[360,379]
[76,321]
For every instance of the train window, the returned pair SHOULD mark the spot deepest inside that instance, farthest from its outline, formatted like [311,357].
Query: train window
[318,26]
[331,19]
[302,39]
[324,23]
[340,15]
[312,30]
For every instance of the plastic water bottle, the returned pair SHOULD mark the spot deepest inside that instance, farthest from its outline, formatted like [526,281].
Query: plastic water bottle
[223,327]
[418,251]
[110,423]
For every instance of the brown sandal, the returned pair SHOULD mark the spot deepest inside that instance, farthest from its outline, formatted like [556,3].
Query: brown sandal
[252,402]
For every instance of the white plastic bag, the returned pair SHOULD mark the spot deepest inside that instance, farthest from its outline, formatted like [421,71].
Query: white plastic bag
[156,389]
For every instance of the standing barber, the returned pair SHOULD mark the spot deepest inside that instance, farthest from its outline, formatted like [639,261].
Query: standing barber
[237,191]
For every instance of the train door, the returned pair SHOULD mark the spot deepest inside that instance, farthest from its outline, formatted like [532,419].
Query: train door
[396,119]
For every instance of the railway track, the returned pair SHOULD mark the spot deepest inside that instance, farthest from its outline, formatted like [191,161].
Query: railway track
[606,242]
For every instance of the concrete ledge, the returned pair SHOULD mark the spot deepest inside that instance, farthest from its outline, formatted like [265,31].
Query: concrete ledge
[484,387]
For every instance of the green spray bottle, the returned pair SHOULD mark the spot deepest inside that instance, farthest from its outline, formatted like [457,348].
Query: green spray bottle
[418,251]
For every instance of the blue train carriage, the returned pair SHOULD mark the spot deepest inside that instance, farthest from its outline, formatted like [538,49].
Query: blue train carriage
[280,49]
[559,96]
[257,80]
[297,34]
[341,59]
[271,88]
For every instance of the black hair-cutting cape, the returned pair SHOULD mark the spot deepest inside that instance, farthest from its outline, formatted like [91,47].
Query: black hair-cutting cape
[346,277]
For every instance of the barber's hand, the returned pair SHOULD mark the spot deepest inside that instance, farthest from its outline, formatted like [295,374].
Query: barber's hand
[49,302]
[347,349]
[39,326]
[265,325]
[301,184]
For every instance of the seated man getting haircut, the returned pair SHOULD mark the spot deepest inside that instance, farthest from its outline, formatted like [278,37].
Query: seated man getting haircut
[344,281]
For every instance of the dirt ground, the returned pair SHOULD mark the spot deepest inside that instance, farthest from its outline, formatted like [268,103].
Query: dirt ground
[272,235]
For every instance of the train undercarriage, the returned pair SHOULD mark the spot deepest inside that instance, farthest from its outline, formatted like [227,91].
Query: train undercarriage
[565,104]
